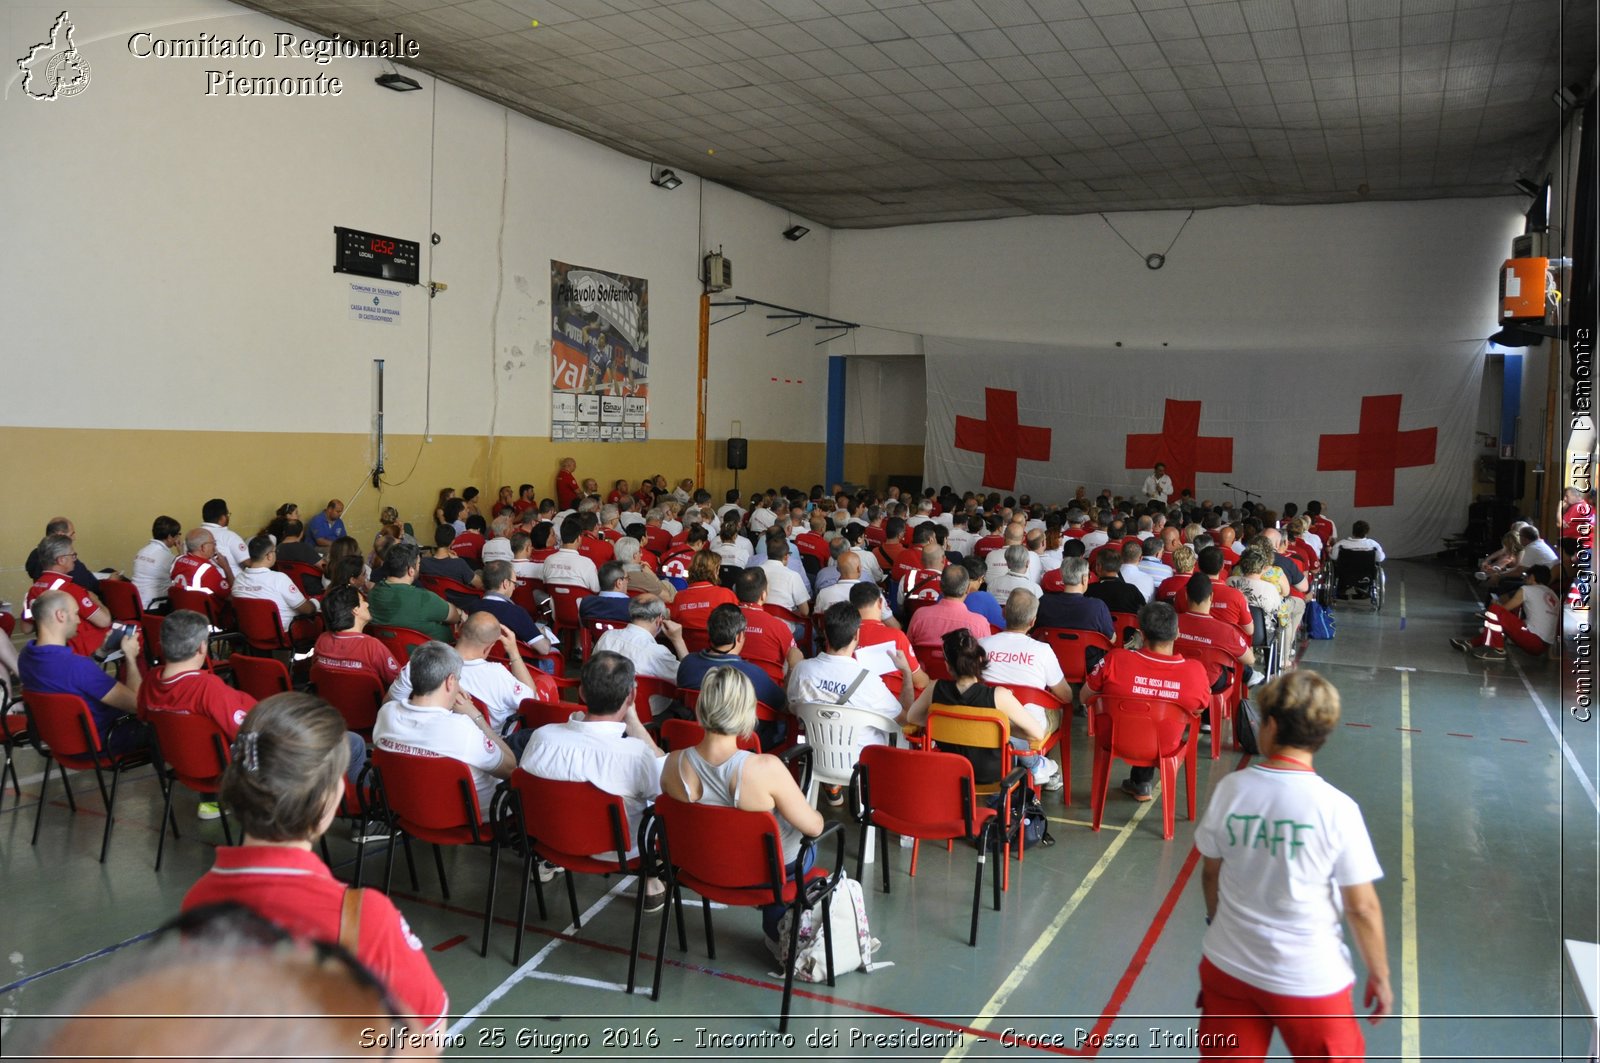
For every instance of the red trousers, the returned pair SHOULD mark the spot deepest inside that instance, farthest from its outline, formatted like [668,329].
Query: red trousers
[1237,1020]
[1503,624]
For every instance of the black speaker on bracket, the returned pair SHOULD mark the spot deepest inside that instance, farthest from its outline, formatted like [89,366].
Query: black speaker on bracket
[738,453]
[1509,479]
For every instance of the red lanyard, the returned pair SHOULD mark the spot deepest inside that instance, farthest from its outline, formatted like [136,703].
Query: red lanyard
[1293,765]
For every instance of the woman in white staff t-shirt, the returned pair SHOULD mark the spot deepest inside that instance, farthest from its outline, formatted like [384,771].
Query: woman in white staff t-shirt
[1287,857]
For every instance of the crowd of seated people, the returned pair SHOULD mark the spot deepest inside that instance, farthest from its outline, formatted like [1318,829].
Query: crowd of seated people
[880,601]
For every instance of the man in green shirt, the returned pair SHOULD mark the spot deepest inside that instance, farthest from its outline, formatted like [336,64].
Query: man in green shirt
[398,602]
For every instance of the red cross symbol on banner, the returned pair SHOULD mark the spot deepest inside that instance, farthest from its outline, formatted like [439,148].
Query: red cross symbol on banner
[1001,439]
[1180,446]
[1377,449]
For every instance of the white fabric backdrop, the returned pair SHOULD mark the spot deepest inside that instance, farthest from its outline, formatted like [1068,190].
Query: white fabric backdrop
[1275,410]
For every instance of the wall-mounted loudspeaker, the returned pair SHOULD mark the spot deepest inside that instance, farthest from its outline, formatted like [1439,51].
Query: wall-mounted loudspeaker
[738,453]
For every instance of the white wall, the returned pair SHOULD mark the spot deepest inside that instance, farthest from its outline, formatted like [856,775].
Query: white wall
[170,254]
[887,400]
[1240,277]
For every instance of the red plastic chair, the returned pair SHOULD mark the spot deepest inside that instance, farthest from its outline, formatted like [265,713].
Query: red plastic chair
[1070,646]
[1223,702]
[196,754]
[681,734]
[564,599]
[214,609]
[927,796]
[646,687]
[931,657]
[433,799]
[534,713]
[565,823]
[534,660]
[1124,624]
[1146,733]
[307,577]
[358,695]
[451,590]
[262,626]
[400,640]
[63,732]
[592,628]
[13,734]
[260,677]
[1061,736]
[736,858]
[122,600]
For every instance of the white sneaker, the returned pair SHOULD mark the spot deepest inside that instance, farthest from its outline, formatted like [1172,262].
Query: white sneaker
[1046,776]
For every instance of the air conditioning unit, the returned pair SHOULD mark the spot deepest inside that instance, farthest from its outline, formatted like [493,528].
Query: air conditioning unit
[1528,245]
[718,274]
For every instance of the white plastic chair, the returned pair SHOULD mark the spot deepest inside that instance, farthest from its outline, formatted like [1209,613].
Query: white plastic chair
[837,734]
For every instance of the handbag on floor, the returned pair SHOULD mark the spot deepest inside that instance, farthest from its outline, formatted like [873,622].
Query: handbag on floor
[1246,723]
[853,943]
[1320,623]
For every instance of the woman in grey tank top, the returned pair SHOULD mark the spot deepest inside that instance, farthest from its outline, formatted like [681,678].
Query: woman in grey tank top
[718,772]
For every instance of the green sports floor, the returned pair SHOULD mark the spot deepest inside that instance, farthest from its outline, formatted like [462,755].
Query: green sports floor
[1477,783]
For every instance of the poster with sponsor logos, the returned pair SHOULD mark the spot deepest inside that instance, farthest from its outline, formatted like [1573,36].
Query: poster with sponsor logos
[599,355]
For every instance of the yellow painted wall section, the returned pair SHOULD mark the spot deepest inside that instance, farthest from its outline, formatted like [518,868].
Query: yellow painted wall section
[113,483]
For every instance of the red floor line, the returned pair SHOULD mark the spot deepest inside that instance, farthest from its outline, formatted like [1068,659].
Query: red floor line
[1347,724]
[1455,734]
[1519,741]
[649,958]
[1119,995]
[1412,730]
[449,943]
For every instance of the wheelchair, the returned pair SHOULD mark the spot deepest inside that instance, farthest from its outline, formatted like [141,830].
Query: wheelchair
[1358,576]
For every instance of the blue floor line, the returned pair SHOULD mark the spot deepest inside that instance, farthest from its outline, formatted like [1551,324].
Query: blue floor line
[108,950]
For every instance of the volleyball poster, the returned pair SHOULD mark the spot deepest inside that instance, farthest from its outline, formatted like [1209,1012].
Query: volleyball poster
[599,355]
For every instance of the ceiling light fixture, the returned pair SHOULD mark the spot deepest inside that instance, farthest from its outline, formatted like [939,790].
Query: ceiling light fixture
[665,179]
[398,82]
[795,232]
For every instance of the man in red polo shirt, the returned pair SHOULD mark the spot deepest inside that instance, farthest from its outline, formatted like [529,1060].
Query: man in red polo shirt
[1156,671]
[567,490]
[184,685]
[1227,603]
[768,642]
[1198,628]
[197,569]
[868,600]
[58,555]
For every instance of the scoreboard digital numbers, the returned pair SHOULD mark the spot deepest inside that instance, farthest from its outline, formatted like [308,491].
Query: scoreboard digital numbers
[371,255]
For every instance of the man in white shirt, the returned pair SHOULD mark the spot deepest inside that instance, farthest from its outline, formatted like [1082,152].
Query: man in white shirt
[834,677]
[1020,660]
[231,549]
[499,687]
[1146,528]
[1158,485]
[1015,576]
[498,548]
[849,566]
[647,619]
[1098,537]
[1132,574]
[784,587]
[152,565]
[567,566]
[256,579]
[871,571]
[1360,538]
[438,719]
[523,566]
[604,745]
[963,533]
[923,515]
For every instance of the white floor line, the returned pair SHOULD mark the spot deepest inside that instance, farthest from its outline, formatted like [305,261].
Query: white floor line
[1538,703]
[527,969]
[573,979]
